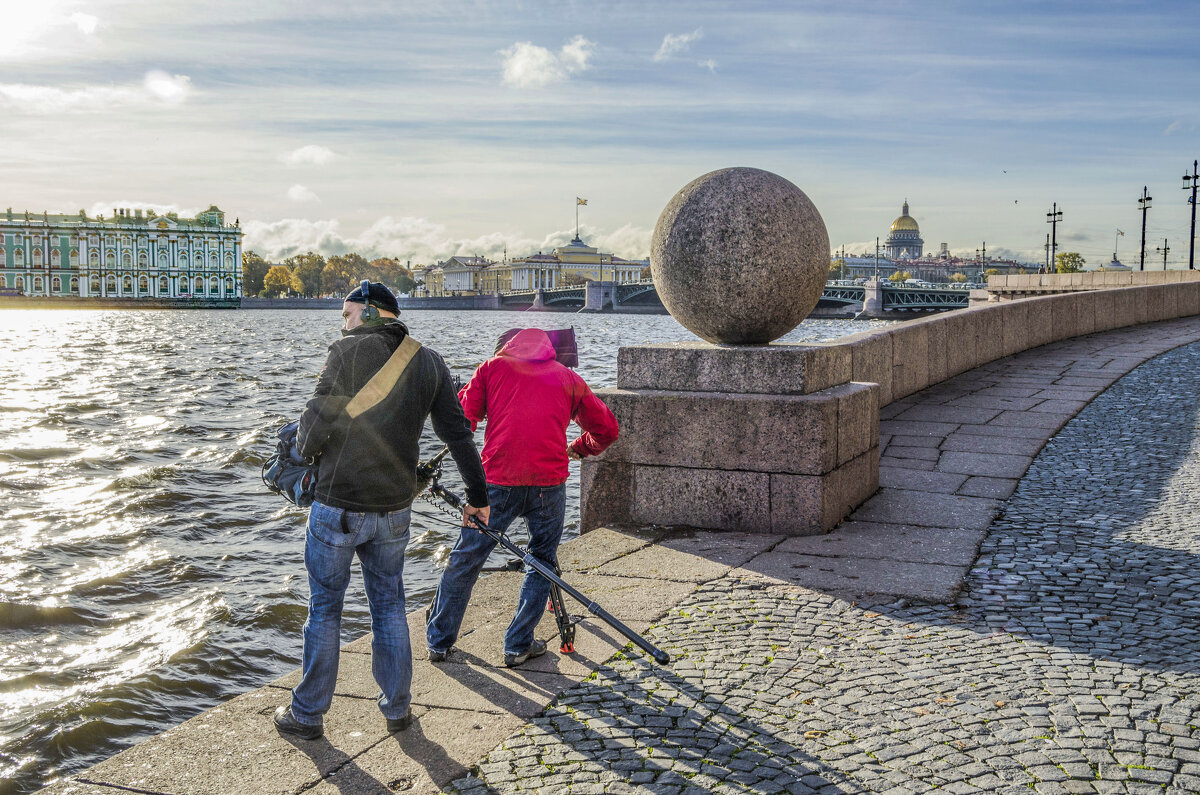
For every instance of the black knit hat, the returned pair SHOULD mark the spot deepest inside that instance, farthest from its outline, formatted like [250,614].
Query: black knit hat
[378,296]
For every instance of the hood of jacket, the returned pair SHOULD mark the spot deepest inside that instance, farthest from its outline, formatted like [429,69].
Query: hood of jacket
[531,345]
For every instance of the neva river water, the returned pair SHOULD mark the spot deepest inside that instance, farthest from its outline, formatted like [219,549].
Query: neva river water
[145,573]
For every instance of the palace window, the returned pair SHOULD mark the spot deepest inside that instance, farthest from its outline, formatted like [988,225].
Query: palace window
[94,257]
[20,283]
[164,286]
[127,282]
[183,260]
[110,260]
[199,260]
[74,258]
[143,260]
[229,261]
[95,284]
[111,282]
[198,284]
[37,284]
[75,284]
[126,260]
[214,286]
[229,286]
[143,283]
[37,257]
[56,285]
[55,258]
[183,284]
[162,259]
[18,256]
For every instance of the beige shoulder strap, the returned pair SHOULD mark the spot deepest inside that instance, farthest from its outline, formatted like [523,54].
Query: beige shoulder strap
[382,383]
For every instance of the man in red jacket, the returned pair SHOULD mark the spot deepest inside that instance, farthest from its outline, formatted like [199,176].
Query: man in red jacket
[528,399]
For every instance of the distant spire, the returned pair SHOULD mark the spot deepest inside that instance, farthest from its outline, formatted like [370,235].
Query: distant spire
[904,211]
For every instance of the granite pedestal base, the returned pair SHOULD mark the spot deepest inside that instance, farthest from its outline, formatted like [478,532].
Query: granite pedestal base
[762,439]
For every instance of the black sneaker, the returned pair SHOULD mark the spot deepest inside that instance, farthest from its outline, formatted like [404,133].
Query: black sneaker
[438,656]
[536,649]
[399,724]
[287,723]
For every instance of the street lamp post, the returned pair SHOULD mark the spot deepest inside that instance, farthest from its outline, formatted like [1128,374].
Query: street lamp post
[1143,206]
[1054,217]
[1163,250]
[1190,182]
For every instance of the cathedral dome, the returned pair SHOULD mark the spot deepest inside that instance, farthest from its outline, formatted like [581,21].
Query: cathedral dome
[905,223]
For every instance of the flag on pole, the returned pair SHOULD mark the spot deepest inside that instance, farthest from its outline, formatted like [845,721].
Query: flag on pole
[580,201]
[1119,232]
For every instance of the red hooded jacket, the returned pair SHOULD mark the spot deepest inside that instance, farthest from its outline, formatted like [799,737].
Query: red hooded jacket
[529,399]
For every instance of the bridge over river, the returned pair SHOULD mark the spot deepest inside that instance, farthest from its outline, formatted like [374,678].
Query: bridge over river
[642,296]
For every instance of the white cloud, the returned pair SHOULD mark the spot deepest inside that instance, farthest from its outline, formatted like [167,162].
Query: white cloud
[299,193]
[1174,127]
[421,240]
[156,87]
[527,65]
[675,43]
[86,23]
[709,64]
[308,155]
[172,89]
[43,28]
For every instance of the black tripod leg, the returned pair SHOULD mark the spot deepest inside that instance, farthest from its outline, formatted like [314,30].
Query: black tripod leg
[566,626]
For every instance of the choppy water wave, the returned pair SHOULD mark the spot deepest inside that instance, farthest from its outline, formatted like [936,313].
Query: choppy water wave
[145,574]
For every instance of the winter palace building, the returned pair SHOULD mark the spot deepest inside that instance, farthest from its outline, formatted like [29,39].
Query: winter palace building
[132,254]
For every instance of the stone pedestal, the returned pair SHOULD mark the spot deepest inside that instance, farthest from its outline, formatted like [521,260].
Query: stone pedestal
[762,439]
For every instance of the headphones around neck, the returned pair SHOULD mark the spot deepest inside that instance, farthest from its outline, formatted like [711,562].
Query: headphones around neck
[369,312]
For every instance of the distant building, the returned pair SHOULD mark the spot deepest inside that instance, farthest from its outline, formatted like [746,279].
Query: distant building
[904,241]
[573,262]
[132,254]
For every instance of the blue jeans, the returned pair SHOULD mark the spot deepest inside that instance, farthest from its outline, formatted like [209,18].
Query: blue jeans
[379,540]
[543,508]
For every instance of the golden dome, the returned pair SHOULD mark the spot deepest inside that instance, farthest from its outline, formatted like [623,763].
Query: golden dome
[905,223]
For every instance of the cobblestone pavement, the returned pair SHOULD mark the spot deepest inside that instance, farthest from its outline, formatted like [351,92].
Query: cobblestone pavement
[1068,664]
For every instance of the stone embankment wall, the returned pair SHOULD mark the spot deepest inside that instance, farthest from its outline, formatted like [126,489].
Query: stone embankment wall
[907,358]
[784,438]
[1008,288]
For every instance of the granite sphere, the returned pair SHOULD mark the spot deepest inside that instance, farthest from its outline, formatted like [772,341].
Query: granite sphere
[740,256]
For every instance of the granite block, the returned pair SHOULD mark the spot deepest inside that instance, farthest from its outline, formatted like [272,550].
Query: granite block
[709,430]
[775,369]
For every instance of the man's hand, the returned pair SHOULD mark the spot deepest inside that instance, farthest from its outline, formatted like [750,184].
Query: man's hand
[469,511]
[574,456]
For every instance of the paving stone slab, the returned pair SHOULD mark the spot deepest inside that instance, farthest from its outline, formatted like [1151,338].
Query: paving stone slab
[904,507]
[228,747]
[1048,420]
[856,539]
[921,480]
[660,562]
[996,465]
[728,549]
[946,413]
[597,547]
[964,441]
[994,488]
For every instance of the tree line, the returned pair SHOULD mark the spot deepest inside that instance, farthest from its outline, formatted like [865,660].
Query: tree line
[312,275]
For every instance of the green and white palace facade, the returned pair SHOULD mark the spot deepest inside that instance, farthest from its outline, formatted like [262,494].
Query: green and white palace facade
[131,254]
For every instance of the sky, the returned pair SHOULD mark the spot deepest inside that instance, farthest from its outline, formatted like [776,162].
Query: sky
[427,129]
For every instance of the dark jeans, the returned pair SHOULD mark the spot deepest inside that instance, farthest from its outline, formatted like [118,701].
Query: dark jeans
[543,508]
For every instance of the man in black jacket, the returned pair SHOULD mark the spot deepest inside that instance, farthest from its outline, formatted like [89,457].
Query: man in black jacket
[365,487]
